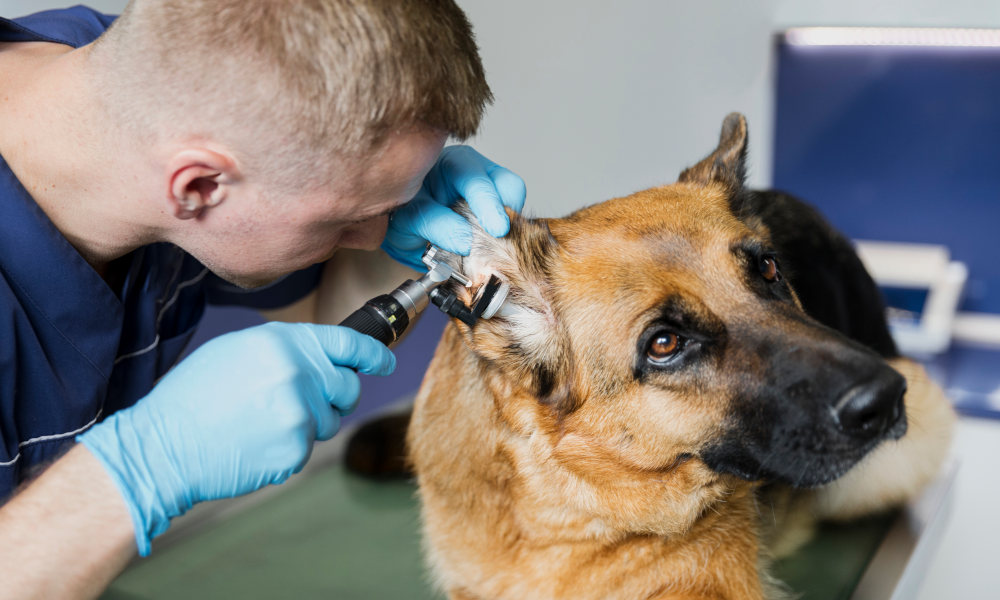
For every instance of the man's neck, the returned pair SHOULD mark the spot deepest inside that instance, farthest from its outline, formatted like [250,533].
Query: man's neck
[56,139]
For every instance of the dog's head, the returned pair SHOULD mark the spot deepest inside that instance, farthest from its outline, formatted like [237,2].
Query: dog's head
[658,329]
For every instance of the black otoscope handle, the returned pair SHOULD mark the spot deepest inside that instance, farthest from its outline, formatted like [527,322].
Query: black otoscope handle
[382,317]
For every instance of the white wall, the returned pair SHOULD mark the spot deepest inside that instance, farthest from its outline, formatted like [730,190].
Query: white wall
[598,99]
[602,99]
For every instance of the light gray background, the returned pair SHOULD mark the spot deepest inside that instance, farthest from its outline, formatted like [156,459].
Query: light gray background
[599,99]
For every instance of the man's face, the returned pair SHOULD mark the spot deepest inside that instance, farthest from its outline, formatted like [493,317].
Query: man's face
[262,236]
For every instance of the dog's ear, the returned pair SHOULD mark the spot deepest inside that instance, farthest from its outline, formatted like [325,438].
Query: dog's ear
[727,163]
[524,339]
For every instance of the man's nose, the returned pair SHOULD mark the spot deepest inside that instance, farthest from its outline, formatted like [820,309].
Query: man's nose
[366,235]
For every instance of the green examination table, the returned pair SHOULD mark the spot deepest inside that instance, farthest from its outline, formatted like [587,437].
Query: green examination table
[327,534]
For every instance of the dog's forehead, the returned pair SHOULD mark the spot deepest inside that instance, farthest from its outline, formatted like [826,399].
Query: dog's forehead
[678,227]
[624,261]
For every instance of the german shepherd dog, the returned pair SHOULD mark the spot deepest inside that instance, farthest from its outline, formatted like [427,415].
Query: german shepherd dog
[668,367]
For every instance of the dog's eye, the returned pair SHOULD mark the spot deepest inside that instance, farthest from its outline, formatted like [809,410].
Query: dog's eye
[769,269]
[664,345]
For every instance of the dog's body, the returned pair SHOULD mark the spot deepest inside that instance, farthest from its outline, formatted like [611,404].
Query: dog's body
[607,435]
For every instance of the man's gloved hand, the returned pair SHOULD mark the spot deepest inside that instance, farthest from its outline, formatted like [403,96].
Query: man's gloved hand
[460,172]
[240,413]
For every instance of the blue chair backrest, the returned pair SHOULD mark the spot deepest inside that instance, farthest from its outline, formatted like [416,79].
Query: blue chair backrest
[897,143]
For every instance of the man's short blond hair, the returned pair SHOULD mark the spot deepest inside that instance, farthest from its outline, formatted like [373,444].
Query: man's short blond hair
[302,80]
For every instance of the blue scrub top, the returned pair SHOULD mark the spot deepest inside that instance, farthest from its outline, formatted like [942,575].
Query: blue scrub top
[72,350]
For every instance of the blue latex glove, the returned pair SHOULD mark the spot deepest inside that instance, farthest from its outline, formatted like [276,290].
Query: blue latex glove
[460,172]
[238,414]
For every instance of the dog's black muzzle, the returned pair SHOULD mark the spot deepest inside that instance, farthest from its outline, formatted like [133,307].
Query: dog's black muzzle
[817,404]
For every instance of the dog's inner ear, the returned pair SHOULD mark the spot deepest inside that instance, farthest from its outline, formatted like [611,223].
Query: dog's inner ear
[524,339]
[727,163]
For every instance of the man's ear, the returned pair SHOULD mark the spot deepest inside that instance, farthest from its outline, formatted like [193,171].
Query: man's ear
[198,179]
[727,163]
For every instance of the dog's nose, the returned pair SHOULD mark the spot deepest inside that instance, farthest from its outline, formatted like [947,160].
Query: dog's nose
[870,409]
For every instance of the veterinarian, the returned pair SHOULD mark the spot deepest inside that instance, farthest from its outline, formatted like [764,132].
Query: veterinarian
[205,151]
